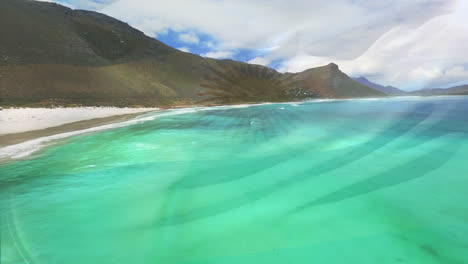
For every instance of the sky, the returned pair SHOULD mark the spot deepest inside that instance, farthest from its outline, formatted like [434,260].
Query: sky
[410,44]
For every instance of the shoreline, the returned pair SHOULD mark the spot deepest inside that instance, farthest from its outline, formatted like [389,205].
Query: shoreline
[19,145]
[8,139]
[21,137]
[19,120]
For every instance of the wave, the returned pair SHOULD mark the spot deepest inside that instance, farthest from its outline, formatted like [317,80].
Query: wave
[24,149]
[27,148]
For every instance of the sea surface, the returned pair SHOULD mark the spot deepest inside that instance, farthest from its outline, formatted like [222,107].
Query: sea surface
[331,181]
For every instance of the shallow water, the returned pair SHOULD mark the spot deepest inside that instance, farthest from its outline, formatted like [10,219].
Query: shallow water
[358,181]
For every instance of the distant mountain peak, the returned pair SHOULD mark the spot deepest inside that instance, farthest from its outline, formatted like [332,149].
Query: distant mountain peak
[456,90]
[361,78]
[333,66]
[385,89]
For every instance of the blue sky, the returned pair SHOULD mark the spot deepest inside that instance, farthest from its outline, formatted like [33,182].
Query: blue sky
[408,44]
[204,45]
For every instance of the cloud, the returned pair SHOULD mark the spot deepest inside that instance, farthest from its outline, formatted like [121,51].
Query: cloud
[380,39]
[260,61]
[184,49]
[218,54]
[189,38]
[433,54]
[83,4]
[208,44]
[313,26]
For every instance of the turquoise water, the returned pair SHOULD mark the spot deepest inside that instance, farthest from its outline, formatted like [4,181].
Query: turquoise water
[358,181]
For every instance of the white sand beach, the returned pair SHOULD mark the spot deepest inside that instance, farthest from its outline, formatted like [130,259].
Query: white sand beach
[20,120]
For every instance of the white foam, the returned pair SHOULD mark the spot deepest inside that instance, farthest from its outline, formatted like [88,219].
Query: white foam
[19,120]
[322,100]
[25,149]
[345,99]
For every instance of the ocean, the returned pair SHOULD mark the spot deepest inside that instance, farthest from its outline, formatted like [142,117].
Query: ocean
[324,181]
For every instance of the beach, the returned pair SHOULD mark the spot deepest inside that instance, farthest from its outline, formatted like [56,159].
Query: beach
[22,124]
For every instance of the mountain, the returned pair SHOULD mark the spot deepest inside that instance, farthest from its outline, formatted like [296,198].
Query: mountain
[328,81]
[457,90]
[53,55]
[390,90]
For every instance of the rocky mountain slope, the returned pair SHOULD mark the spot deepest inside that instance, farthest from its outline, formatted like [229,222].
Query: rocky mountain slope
[50,54]
[390,90]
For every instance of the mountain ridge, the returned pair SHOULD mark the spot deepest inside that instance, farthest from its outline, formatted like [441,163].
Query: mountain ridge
[55,55]
[456,90]
[390,90]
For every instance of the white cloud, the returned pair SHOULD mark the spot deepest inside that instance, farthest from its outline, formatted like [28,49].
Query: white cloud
[189,38]
[340,28]
[382,39]
[83,4]
[260,61]
[218,54]
[208,44]
[457,73]
[433,54]
[184,49]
